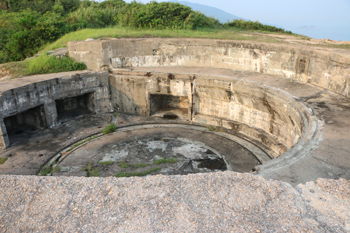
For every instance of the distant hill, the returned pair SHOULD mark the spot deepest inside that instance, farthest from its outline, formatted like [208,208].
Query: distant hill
[214,12]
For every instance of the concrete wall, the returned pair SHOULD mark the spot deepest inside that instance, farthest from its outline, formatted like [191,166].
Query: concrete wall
[273,120]
[327,68]
[131,92]
[18,99]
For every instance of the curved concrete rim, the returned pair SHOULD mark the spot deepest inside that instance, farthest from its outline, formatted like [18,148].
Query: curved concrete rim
[311,134]
[258,152]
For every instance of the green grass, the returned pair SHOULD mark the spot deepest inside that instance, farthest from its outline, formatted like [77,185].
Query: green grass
[220,33]
[130,174]
[109,129]
[160,161]
[45,171]
[124,164]
[56,169]
[106,163]
[50,64]
[94,173]
[125,32]
[2,160]
[127,165]
[338,46]
[49,169]
[91,172]
[42,65]
[215,129]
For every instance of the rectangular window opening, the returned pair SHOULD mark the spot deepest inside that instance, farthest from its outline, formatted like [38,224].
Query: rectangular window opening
[74,107]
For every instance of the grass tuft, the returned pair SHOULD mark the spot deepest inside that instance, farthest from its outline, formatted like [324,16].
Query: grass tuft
[130,174]
[109,129]
[160,161]
[123,164]
[56,169]
[106,163]
[2,160]
[215,129]
[49,169]
[45,171]
[90,171]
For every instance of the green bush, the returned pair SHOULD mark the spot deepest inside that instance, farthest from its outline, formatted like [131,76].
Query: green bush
[165,15]
[26,26]
[23,33]
[109,128]
[251,25]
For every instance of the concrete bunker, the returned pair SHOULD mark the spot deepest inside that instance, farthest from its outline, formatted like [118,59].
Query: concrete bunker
[25,123]
[169,106]
[72,107]
[270,119]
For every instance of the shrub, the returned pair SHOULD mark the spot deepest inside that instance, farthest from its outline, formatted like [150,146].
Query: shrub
[251,25]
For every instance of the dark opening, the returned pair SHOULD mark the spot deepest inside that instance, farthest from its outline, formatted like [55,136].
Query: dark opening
[213,164]
[169,107]
[24,124]
[170,116]
[73,107]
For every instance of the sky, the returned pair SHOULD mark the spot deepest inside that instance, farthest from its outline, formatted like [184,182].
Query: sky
[320,19]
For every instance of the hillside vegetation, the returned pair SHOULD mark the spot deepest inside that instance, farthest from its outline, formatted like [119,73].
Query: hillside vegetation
[28,26]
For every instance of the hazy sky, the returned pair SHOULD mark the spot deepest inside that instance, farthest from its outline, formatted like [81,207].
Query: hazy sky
[316,18]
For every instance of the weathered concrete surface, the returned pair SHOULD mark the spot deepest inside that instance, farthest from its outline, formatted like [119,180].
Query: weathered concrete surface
[259,112]
[188,145]
[20,95]
[28,155]
[324,67]
[306,162]
[325,157]
[215,202]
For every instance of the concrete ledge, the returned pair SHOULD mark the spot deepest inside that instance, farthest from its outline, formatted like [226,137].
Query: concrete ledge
[324,67]
[215,202]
